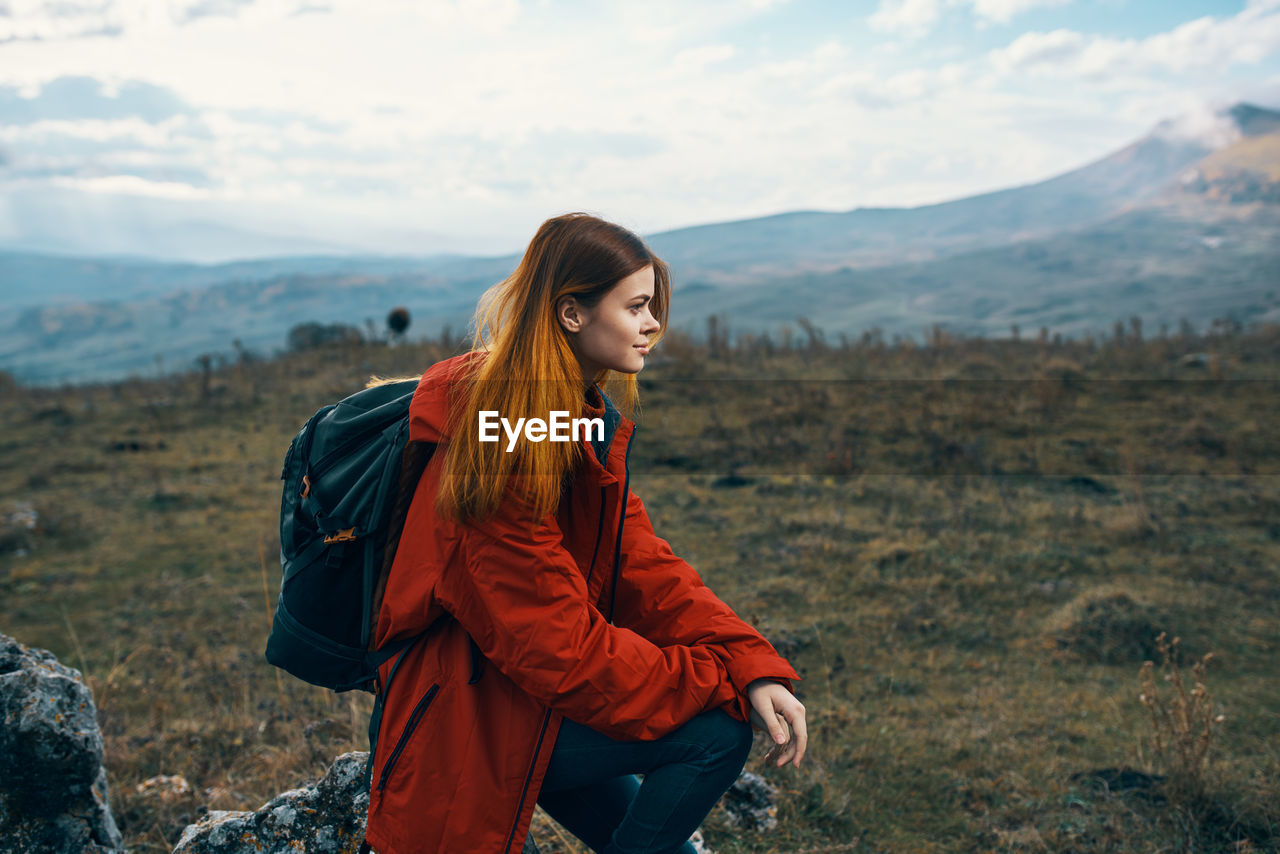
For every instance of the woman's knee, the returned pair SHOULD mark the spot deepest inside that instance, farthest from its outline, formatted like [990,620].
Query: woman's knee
[744,737]
[723,735]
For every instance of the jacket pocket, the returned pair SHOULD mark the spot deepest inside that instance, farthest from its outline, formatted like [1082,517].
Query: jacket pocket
[414,718]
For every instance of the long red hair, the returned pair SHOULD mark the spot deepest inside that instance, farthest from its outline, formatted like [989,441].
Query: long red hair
[530,370]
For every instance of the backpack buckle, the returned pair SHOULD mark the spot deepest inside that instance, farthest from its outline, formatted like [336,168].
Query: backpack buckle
[341,537]
[306,488]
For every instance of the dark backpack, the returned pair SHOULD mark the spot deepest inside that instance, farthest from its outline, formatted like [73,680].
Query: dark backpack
[349,476]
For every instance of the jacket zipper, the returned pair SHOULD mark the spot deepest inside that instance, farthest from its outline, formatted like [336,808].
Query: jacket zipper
[617,549]
[546,718]
[599,530]
[416,716]
[524,792]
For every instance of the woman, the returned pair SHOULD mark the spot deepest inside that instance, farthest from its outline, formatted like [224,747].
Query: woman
[580,650]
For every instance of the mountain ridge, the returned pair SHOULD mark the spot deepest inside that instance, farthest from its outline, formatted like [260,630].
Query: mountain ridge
[1136,232]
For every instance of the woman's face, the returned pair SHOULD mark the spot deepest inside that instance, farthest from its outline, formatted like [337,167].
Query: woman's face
[614,334]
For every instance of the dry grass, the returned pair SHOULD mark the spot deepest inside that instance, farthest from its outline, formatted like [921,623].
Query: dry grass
[921,579]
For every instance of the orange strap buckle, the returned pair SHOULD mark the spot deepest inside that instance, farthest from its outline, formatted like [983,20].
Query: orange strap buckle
[341,536]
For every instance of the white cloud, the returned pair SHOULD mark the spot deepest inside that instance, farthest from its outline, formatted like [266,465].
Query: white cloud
[914,18]
[665,23]
[422,106]
[1246,38]
[141,133]
[1201,122]
[52,20]
[41,20]
[1036,49]
[696,59]
[133,185]
[910,17]
[1003,11]
[487,116]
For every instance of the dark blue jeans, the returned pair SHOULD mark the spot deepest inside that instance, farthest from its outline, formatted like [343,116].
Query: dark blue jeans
[591,790]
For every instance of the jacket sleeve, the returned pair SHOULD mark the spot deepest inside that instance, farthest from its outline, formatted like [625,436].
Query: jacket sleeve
[520,595]
[662,598]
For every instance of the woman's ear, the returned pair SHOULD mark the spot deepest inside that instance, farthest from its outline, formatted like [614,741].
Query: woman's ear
[570,314]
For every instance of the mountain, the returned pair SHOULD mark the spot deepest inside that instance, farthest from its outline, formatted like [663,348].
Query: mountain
[758,250]
[64,221]
[78,341]
[1182,223]
[1161,265]
[32,279]
[1246,171]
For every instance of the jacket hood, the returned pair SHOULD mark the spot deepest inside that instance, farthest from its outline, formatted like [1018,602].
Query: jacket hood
[429,409]
[437,393]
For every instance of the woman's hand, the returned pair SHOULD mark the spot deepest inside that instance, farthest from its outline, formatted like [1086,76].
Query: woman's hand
[773,709]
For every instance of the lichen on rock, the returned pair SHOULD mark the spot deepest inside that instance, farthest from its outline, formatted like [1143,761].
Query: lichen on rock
[325,818]
[53,788]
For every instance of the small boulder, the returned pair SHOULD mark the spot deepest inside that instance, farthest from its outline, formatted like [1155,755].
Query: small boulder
[53,788]
[751,803]
[325,818]
[699,844]
[166,788]
[329,817]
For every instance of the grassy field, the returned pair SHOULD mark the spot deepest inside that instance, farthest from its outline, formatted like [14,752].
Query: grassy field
[967,549]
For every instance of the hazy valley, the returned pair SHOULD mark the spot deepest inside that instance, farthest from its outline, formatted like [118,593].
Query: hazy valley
[1170,228]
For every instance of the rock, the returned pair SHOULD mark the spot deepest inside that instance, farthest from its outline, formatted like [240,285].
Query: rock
[53,788]
[1052,586]
[1196,360]
[18,529]
[1119,779]
[166,788]
[751,803]
[699,844]
[329,817]
[326,818]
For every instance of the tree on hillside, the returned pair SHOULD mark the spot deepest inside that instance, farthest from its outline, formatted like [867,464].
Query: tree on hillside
[398,322]
[308,336]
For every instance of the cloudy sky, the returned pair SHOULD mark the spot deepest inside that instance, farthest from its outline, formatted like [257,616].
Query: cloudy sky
[473,120]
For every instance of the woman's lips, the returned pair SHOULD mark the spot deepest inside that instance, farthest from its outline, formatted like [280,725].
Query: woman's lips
[644,351]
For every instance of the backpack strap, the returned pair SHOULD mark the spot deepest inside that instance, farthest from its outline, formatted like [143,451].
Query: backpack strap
[477,661]
[398,650]
[382,656]
[413,461]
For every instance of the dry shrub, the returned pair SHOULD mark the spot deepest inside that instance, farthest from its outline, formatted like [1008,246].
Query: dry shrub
[1182,722]
[1058,378]
[977,367]
[1063,371]
[1197,434]
[887,554]
[1209,811]
[1130,524]
[920,618]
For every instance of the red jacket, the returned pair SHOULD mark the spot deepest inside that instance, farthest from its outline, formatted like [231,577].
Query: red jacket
[466,733]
